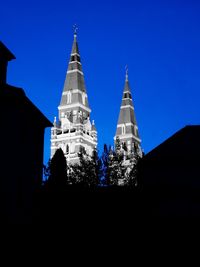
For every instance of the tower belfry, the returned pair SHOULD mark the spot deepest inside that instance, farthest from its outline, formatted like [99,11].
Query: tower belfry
[74,131]
[127,129]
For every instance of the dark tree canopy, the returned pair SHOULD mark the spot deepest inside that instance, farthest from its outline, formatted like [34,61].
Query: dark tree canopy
[104,166]
[114,167]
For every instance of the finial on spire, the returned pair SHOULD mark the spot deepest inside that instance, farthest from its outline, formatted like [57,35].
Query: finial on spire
[126,68]
[75,29]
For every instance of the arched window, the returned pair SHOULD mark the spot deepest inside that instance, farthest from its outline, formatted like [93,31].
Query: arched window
[69,97]
[135,130]
[83,98]
[123,129]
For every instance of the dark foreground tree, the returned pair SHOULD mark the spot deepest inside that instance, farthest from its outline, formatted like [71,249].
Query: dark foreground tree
[116,168]
[104,166]
[46,171]
[122,166]
[57,171]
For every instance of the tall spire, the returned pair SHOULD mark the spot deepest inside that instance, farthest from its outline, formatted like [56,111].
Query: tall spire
[74,130]
[127,129]
[74,81]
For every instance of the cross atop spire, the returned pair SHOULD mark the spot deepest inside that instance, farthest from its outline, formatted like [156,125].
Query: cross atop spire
[75,44]
[126,68]
[75,28]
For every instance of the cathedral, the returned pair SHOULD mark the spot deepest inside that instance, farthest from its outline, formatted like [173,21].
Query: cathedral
[73,131]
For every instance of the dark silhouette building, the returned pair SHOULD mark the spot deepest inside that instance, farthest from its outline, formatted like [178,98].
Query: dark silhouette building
[22,139]
[170,175]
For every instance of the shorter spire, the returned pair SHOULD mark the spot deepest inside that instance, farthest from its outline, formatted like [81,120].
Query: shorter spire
[126,68]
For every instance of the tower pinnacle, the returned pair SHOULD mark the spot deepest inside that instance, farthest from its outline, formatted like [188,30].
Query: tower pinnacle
[74,130]
[126,68]
[127,129]
[75,28]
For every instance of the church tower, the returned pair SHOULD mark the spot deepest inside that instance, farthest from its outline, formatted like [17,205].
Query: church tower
[127,129]
[74,131]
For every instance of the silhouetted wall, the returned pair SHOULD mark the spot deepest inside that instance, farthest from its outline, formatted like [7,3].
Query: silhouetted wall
[21,136]
[170,174]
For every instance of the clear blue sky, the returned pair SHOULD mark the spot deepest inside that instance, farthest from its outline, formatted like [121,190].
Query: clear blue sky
[159,40]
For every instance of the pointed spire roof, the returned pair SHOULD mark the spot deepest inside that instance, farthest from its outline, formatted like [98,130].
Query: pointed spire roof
[127,86]
[75,49]
[127,113]
[75,78]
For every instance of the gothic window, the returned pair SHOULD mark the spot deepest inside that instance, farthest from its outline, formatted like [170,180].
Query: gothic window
[69,97]
[67,149]
[72,58]
[123,129]
[83,98]
[135,130]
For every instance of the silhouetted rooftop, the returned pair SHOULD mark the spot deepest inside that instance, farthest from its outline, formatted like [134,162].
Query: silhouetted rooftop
[188,138]
[5,53]
[174,163]
[10,94]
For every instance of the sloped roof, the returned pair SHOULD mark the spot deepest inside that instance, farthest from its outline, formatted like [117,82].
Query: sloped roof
[184,141]
[11,94]
[5,53]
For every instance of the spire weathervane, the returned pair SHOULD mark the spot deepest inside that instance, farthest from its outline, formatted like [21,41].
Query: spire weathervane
[75,28]
[126,68]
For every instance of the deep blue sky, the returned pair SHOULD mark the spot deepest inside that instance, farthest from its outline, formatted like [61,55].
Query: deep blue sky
[159,40]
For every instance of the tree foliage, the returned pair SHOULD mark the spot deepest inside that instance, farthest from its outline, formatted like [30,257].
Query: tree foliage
[87,171]
[114,167]
[104,166]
